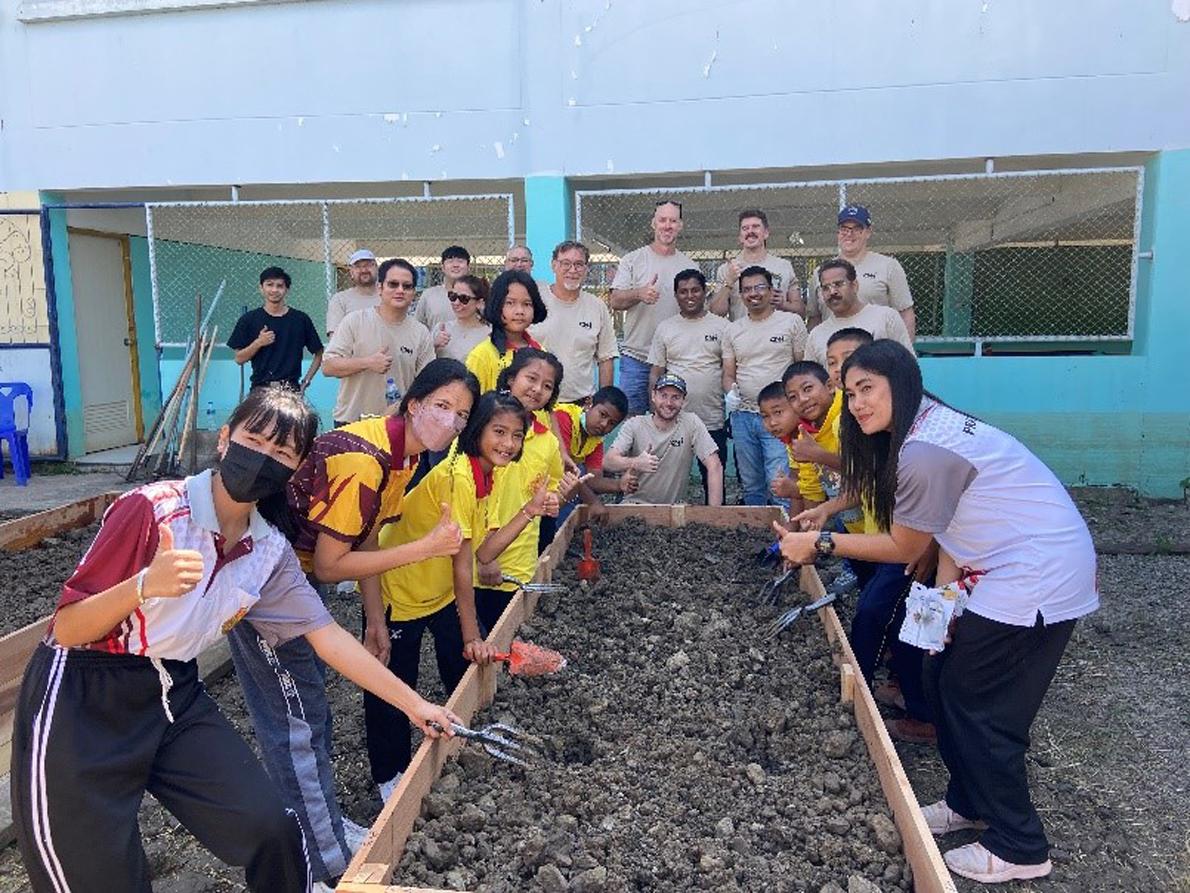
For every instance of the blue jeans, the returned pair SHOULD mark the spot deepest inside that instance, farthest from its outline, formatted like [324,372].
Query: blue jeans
[285,692]
[759,456]
[634,381]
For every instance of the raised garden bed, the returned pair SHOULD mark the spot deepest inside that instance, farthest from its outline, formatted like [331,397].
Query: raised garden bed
[683,751]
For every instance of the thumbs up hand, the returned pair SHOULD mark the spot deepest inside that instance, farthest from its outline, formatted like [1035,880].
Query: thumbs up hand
[441,337]
[783,486]
[805,449]
[266,337]
[173,572]
[540,503]
[647,462]
[446,538]
[649,293]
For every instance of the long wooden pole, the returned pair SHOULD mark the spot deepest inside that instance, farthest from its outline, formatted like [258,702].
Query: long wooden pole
[192,418]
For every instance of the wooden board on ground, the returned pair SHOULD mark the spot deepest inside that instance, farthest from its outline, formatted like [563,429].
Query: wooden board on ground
[22,533]
[372,868]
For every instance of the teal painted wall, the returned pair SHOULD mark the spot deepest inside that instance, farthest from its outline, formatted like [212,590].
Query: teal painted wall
[548,220]
[142,314]
[68,348]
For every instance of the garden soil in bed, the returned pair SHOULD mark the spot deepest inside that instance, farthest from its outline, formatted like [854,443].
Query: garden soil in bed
[682,749]
[31,579]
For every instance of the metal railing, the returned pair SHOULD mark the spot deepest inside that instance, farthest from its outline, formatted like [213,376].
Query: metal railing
[1041,256]
[220,248]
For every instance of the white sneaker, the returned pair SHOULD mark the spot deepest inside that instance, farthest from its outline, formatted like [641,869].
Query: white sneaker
[386,788]
[976,862]
[941,819]
[355,834]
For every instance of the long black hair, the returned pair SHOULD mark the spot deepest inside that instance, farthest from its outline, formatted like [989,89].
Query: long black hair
[493,310]
[870,460]
[490,405]
[438,374]
[521,359]
[281,414]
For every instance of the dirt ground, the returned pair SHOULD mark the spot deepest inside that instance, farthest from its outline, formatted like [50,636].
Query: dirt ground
[1107,766]
[682,749]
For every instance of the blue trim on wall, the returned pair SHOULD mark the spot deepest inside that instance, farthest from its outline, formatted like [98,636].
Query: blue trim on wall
[61,433]
[66,335]
[548,220]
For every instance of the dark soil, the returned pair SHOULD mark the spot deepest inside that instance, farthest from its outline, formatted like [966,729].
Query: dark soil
[31,579]
[683,750]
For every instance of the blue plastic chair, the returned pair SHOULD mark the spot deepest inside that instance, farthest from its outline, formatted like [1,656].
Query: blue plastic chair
[18,438]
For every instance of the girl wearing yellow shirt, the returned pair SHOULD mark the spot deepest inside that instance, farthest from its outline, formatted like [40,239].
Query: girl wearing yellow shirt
[437,594]
[513,305]
[532,379]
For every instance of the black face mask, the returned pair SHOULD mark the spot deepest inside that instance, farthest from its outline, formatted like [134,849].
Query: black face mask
[249,475]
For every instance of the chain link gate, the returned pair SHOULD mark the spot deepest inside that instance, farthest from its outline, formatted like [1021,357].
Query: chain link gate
[1045,256]
[220,248]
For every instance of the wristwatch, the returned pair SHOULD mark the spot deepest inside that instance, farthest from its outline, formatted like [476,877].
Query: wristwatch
[825,544]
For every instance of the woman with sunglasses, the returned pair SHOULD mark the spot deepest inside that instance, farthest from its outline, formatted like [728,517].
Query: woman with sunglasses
[456,338]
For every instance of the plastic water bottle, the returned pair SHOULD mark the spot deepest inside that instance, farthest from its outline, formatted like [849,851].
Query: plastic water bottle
[391,392]
[210,425]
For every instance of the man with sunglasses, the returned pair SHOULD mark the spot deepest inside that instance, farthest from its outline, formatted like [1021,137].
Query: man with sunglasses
[434,307]
[577,327]
[881,278]
[378,351]
[644,289]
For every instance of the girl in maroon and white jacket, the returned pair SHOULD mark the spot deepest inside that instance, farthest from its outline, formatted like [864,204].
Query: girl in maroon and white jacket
[111,705]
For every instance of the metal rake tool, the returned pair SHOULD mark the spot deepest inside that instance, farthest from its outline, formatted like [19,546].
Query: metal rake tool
[500,741]
[770,592]
[791,616]
[540,588]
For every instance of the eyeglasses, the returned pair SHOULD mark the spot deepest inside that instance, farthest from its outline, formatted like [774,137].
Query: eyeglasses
[400,286]
[572,264]
[454,296]
[754,289]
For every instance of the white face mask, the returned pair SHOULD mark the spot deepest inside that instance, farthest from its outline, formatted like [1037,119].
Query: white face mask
[435,427]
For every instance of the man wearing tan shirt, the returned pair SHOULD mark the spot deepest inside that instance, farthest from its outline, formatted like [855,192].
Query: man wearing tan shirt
[433,308]
[362,295]
[578,326]
[754,240]
[690,345]
[838,284]
[372,346]
[881,278]
[643,288]
[759,347]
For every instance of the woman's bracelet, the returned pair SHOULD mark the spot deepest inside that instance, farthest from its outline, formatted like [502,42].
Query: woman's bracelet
[140,587]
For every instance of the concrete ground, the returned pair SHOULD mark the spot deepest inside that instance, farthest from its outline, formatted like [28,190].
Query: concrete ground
[47,491]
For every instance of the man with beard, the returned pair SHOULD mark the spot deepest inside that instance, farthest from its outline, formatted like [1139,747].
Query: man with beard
[690,345]
[577,327]
[659,447]
[839,288]
[363,294]
[754,240]
[643,287]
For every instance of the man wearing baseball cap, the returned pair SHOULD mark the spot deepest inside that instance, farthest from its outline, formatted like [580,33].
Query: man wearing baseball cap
[660,447]
[881,277]
[363,294]
[433,307]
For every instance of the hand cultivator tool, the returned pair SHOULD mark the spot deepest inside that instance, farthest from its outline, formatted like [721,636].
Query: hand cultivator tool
[769,555]
[770,592]
[588,567]
[500,741]
[527,659]
[540,588]
[791,616]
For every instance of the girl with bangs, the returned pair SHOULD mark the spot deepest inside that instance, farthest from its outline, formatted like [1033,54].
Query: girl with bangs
[513,305]
[438,594]
[532,378]
[111,705]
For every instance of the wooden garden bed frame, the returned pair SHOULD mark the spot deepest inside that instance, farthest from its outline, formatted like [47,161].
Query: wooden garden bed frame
[373,866]
[18,646]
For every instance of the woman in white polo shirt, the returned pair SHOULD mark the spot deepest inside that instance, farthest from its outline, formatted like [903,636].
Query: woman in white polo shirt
[930,471]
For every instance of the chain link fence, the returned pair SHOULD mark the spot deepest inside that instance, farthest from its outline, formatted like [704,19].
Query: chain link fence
[1034,256]
[218,249]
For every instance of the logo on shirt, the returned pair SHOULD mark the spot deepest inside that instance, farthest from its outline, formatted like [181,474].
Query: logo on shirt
[677,441]
[408,350]
[778,339]
[710,337]
[583,324]
[969,426]
[869,275]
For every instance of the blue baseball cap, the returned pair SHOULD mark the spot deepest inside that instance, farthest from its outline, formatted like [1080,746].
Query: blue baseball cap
[855,213]
[670,381]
